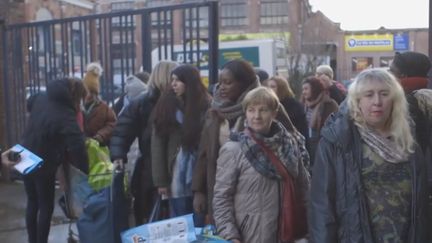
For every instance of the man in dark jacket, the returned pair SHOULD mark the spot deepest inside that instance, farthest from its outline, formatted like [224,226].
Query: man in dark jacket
[412,68]
[54,135]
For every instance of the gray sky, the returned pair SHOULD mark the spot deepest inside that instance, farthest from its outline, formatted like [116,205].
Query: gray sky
[372,14]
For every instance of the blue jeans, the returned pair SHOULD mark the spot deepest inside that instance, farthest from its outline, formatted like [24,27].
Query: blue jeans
[184,205]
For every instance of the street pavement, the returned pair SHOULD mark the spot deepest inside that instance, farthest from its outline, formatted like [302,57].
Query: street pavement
[12,215]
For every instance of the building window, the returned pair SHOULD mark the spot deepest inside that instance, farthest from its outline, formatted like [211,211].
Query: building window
[157,3]
[233,13]
[361,63]
[273,12]
[159,18]
[120,6]
[201,13]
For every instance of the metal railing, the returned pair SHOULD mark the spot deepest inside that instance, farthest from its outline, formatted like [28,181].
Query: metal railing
[124,42]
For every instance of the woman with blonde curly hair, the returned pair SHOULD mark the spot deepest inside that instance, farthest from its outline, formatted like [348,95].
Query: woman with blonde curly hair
[369,175]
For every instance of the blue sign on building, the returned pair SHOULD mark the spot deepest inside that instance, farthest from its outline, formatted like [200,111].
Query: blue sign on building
[401,42]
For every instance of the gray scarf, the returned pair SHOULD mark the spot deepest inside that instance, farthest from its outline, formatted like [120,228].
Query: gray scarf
[228,109]
[384,147]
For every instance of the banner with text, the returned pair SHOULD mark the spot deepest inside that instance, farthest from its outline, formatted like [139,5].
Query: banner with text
[369,42]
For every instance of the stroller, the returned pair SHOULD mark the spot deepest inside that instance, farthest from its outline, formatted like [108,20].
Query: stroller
[100,215]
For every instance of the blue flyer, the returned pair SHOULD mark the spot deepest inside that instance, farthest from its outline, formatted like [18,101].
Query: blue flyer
[28,162]
[179,230]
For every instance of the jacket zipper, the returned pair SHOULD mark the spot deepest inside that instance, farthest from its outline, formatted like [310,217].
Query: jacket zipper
[413,173]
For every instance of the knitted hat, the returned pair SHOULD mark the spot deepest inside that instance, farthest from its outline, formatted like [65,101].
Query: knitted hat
[134,86]
[412,64]
[326,70]
[262,74]
[91,77]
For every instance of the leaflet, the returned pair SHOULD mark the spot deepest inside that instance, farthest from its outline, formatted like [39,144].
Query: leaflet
[175,230]
[29,161]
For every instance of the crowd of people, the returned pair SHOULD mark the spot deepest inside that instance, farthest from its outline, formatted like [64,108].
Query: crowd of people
[335,164]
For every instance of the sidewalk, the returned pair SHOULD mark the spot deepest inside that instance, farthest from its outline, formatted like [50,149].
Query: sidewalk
[12,215]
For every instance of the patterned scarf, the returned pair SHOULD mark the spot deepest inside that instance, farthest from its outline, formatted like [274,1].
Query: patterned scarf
[285,168]
[286,146]
[384,147]
[228,109]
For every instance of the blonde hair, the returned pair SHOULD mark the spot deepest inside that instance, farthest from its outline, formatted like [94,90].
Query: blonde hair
[160,77]
[283,88]
[398,122]
[261,95]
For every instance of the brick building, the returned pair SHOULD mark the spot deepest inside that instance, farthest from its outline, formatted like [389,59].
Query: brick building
[311,38]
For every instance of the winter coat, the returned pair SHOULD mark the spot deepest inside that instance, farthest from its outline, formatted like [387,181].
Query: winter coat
[131,124]
[214,131]
[246,203]
[297,114]
[99,122]
[52,130]
[164,152]
[322,111]
[336,93]
[420,108]
[338,210]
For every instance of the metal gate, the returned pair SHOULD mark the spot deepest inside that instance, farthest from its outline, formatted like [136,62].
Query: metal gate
[123,42]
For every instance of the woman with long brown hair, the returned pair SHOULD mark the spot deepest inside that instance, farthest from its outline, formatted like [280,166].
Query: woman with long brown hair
[178,119]
[318,106]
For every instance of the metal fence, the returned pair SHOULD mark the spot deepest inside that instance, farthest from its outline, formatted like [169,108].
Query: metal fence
[124,42]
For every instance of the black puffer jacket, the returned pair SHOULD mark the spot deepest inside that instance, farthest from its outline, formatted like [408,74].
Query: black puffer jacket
[52,130]
[337,210]
[132,123]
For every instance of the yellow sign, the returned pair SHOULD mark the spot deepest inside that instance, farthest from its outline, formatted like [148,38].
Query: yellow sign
[369,42]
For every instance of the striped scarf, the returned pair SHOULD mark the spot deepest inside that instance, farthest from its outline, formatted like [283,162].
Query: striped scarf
[384,147]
